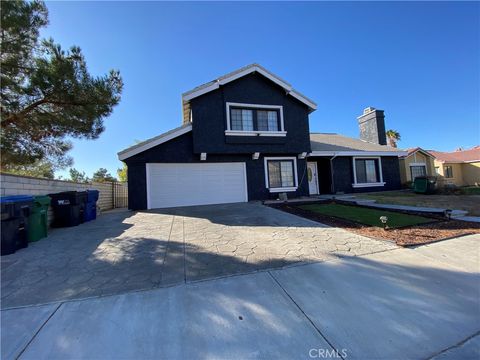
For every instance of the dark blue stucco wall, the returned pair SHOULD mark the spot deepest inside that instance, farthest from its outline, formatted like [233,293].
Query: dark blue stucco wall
[343,175]
[180,150]
[210,119]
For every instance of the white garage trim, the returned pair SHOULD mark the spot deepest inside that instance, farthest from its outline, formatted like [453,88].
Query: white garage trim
[190,184]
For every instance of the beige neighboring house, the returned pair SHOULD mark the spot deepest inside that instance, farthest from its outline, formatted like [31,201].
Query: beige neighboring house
[417,162]
[460,168]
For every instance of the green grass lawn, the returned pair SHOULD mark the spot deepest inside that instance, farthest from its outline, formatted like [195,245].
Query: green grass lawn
[366,216]
[471,190]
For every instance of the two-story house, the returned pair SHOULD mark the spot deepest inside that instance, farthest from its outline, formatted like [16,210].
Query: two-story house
[245,136]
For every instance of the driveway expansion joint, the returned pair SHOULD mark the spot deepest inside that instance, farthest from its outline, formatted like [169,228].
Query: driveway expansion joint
[455,346]
[38,331]
[305,315]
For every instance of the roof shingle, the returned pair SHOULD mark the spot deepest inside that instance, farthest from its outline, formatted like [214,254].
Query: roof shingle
[470,155]
[336,143]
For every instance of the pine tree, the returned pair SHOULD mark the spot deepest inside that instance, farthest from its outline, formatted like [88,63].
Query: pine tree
[47,93]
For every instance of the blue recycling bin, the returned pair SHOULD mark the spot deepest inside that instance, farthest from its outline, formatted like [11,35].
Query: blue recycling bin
[15,211]
[91,205]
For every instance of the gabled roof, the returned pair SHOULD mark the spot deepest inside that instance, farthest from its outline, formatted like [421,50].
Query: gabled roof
[328,144]
[412,151]
[215,84]
[461,156]
[157,140]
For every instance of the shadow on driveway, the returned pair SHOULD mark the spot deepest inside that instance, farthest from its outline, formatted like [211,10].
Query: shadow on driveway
[389,305]
[239,214]
[127,251]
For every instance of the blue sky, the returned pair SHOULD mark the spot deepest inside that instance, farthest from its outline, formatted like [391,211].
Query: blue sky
[417,61]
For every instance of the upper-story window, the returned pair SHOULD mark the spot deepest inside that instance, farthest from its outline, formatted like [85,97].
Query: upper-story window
[253,120]
[241,119]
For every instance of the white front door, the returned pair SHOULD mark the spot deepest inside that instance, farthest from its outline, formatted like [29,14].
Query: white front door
[312,178]
[170,185]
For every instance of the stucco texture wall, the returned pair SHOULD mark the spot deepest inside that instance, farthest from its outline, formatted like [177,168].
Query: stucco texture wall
[457,172]
[471,173]
[180,150]
[415,158]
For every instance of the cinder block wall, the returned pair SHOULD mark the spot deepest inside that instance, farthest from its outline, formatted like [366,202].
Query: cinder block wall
[24,185]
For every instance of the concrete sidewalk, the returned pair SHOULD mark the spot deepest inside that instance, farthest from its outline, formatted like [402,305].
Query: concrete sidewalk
[405,303]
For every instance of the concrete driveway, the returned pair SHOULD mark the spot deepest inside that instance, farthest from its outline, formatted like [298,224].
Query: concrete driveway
[418,303]
[126,251]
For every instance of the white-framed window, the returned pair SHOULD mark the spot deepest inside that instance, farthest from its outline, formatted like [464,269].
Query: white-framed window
[281,174]
[367,171]
[417,169]
[241,119]
[254,120]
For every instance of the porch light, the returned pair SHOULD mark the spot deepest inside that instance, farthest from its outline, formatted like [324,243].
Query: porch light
[448,213]
[384,220]
[255,156]
[303,155]
[203,156]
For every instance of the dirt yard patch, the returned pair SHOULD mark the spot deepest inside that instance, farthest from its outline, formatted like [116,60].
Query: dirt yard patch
[470,203]
[436,230]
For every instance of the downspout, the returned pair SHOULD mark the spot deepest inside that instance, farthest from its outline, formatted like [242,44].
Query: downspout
[332,185]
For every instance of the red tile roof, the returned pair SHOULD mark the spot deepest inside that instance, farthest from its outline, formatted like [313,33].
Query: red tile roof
[459,156]
[410,151]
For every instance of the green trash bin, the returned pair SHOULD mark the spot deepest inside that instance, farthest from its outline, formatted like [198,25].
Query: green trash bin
[38,219]
[420,185]
[424,184]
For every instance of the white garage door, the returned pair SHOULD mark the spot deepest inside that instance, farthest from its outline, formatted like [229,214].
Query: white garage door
[170,185]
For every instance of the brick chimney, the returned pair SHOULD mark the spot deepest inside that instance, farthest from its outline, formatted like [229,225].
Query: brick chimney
[372,126]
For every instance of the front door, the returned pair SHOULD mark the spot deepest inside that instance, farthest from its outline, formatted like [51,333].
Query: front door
[312,178]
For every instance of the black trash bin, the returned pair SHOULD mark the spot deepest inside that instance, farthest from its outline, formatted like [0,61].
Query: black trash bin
[66,208]
[14,215]
[10,235]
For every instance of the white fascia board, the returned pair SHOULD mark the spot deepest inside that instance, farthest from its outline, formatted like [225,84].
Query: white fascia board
[288,88]
[356,153]
[426,153]
[303,99]
[275,79]
[125,154]
[201,91]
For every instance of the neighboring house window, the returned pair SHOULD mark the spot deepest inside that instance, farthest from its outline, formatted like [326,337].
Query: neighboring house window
[448,171]
[281,174]
[252,120]
[437,170]
[418,170]
[367,172]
